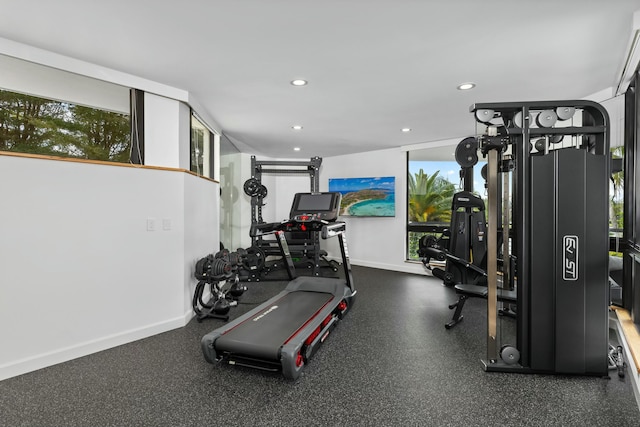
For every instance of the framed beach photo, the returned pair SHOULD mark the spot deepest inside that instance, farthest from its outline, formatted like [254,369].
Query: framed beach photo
[373,196]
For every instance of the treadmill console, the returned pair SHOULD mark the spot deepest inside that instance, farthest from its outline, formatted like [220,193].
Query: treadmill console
[308,217]
[309,212]
[312,207]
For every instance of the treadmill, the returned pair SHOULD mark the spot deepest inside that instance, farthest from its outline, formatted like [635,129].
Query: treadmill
[284,332]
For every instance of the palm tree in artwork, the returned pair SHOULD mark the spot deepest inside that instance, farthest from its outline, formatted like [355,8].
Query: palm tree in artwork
[429,197]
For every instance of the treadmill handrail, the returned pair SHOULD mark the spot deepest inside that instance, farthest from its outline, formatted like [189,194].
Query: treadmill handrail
[332,230]
[327,229]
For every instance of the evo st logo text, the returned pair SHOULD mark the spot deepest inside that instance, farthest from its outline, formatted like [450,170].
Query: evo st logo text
[570,258]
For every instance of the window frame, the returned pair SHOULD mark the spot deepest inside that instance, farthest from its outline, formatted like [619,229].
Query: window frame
[209,144]
[49,146]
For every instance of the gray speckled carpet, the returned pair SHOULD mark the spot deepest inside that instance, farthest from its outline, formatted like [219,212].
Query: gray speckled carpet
[390,362]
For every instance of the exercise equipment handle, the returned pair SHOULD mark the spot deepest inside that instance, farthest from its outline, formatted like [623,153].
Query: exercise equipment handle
[331,230]
[434,253]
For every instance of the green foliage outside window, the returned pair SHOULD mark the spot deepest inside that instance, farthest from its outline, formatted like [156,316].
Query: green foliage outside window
[430,197]
[33,125]
[616,205]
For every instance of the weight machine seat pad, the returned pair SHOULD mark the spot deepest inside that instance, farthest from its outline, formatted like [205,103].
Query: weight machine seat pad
[269,328]
[482,292]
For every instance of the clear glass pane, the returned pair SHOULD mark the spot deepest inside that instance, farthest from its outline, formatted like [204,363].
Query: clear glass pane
[34,125]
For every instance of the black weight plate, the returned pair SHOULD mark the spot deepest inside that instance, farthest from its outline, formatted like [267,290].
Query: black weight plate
[262,191]
[554,139]
[251,187]
[254,260]
[467,152]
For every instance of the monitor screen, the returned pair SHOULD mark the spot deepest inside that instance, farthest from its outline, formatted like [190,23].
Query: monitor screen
[315,202]
[327,204]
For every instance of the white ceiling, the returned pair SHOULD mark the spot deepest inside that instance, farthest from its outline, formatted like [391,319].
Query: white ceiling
[373,66]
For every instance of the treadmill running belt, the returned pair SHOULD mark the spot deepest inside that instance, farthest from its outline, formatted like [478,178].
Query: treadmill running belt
[263,334]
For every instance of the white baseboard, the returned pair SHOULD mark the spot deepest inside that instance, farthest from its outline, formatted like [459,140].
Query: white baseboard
[406,267]
[50,358]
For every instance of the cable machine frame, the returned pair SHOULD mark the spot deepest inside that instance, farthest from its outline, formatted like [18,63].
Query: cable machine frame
[594,136]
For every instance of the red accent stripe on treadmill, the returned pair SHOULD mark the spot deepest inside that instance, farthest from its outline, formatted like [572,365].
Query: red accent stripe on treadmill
[307,322]
[253,317]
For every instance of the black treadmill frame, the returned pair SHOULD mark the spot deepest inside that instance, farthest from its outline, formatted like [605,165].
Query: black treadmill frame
[297,350]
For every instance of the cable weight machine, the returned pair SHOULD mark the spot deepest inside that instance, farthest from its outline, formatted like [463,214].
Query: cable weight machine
[557,234]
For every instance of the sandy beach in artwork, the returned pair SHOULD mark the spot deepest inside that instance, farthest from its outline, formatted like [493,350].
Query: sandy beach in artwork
[345,210]
[358,197]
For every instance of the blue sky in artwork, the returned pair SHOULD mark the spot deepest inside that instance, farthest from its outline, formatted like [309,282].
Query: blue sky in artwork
[345,185]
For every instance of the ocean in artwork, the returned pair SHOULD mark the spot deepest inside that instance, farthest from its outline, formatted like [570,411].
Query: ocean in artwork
[375,207]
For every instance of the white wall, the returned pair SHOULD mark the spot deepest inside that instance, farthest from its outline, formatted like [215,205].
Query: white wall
[201,228]
[93,256]
[615,108]
[235,205]
[79,270]
[27,77]
[166,132]
[284,188]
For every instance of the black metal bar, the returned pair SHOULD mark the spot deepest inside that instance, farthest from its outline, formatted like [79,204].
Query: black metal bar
[561,131]
[284,249]
[287,163]
[346,264]
[630,238]
[136,98]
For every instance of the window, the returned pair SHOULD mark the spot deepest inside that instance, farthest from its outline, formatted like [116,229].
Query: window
[34,125]
[616,225]
[202,148]
[432,180]
[616,191]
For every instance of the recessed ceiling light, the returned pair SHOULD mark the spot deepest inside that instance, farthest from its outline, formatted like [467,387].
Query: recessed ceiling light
[299,82]
[296,148]
[406,129]
[296,127]
[466,86]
